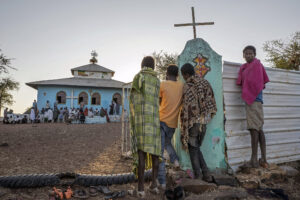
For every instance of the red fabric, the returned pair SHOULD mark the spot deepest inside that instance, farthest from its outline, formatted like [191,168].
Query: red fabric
[86,112]
[252,77]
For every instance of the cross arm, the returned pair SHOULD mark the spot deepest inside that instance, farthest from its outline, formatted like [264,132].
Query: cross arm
[197,24]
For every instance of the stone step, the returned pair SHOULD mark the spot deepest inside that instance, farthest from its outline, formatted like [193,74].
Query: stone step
[196,186]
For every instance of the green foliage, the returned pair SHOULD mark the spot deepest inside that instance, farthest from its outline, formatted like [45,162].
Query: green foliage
[4,63]
[284,54]
[163,60]
[6,84]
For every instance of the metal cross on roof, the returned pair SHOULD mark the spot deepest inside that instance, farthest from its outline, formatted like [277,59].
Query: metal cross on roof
[94,55]
[194,24]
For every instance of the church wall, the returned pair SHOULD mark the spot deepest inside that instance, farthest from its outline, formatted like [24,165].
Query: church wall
[49,93]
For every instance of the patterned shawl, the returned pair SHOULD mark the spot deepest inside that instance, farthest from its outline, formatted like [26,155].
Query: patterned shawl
[144,114]
[199,105]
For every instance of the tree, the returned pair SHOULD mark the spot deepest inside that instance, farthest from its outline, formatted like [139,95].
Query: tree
[6,84]
[4,63]
[284,54]
[163,59]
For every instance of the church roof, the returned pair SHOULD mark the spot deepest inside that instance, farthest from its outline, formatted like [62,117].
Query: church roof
[91,68]
[78,82]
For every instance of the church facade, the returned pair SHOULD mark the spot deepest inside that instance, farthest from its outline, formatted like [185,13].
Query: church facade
[91,84]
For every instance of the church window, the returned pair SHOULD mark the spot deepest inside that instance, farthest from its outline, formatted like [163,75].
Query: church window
[96,99]
[83,97]
[61,97]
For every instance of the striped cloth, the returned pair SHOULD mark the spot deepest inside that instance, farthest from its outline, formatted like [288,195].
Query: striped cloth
[144,114]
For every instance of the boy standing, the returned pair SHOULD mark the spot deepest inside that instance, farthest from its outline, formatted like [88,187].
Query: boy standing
[199,107]
[144,123]
[253,77]
[170,103]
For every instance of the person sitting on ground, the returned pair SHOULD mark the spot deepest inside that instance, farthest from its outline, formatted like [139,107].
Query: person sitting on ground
[253,77]
[17,119]
[170,103]
[96,113]
[144,123]
[24,119]
[198,108]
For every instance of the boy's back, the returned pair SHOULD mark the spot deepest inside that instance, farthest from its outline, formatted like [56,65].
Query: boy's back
[171,97]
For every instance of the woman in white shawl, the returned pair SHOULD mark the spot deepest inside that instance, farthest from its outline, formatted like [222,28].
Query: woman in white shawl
[32,115]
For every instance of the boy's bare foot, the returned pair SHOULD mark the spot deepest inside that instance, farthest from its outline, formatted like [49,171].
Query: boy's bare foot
[263,163]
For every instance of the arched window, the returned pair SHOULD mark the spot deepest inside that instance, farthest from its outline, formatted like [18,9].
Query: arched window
[83,97]
[96,99]
[61,97]
[118,97]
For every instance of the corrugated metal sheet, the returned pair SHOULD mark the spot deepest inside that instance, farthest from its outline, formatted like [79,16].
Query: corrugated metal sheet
[281,114]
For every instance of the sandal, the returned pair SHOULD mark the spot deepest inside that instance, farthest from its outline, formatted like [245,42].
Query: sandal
[93,191]
[81,194]
[141,194]
[263,164]
[104,190]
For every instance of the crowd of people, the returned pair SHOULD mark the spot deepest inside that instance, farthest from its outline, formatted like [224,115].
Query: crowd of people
[62,114]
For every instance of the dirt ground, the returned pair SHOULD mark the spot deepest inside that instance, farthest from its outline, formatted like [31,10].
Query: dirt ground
[85,149]
[54,148]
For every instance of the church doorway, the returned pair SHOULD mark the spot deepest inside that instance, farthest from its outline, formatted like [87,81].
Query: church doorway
[118,98]
[116,102]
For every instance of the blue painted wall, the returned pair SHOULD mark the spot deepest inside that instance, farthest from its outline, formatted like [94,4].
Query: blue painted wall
[49,93]
[213,146]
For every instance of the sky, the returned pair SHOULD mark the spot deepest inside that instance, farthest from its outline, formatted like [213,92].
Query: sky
[48,38]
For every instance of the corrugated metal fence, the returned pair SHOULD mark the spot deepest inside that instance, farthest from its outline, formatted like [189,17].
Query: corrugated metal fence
[281,114]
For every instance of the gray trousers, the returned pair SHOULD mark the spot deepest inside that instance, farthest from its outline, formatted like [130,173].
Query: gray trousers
[195,140]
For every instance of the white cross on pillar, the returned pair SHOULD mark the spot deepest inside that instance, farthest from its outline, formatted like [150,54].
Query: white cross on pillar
[72,97]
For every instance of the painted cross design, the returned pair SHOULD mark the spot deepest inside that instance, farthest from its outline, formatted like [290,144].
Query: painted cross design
[201,69]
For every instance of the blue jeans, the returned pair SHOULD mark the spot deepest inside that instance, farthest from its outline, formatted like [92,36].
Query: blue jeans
[166,138]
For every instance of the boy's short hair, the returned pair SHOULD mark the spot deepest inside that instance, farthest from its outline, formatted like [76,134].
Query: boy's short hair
[148,61]
[187,68]
[250,47]
[172,70]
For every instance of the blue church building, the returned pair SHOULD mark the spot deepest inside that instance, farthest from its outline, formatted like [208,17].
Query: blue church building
[91,84]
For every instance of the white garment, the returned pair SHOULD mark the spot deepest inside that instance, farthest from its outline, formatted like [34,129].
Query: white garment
[90,114]
[50,114]
[32,115]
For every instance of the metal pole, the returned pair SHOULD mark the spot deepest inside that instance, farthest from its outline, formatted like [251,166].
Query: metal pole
[194,25]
